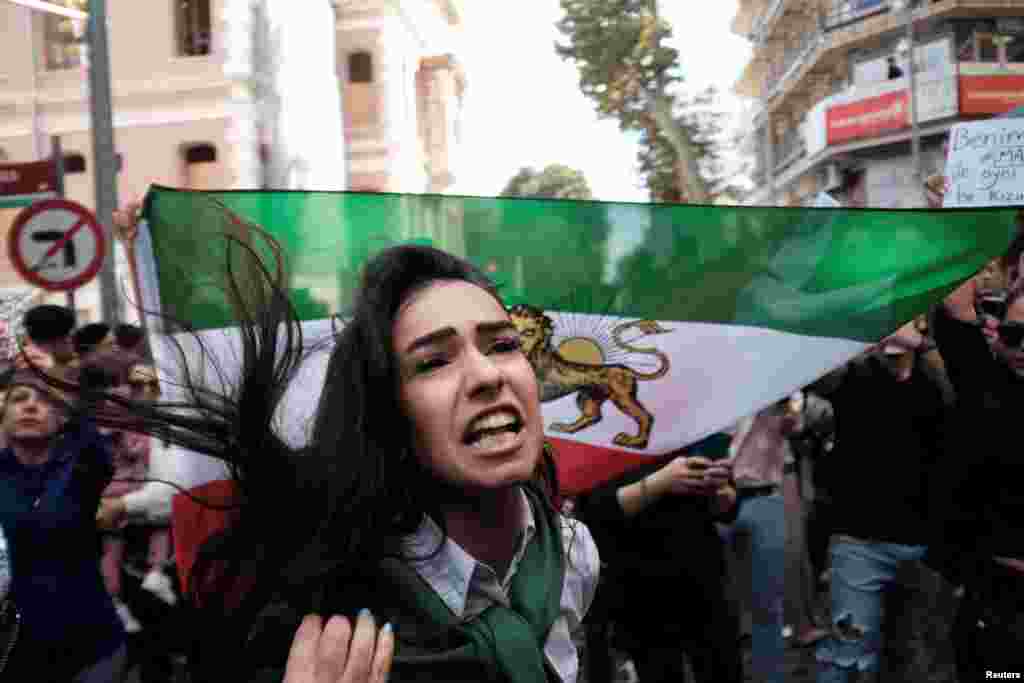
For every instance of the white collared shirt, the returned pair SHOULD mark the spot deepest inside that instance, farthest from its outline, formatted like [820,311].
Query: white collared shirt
[468,587]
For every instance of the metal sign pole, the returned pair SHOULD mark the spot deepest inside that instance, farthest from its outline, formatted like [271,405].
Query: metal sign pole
[57,150]
[105,168]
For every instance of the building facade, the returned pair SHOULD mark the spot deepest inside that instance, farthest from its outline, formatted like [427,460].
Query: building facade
[831,98]
[240,94]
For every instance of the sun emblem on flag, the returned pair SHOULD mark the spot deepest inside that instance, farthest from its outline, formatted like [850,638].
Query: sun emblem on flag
[591,359]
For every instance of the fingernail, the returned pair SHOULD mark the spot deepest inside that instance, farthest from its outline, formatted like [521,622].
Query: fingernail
[387,628]
[364,613]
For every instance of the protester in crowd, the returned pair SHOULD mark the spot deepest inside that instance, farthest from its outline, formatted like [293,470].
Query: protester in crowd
[51,476]
[112,368]
[812,445]
[758,453]
[889,420]
[802,628]
[663,556]
[129,338]
[977,533]
[92,337]
[49,329]
[426,493]
[935,191]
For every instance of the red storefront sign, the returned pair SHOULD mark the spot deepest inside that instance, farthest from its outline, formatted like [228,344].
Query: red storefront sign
[868,118]
[990,94]
[27,178]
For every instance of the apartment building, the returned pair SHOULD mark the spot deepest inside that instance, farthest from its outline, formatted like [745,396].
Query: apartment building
[830,90]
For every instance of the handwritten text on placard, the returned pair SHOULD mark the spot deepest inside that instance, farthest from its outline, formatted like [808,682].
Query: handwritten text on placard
[986,164]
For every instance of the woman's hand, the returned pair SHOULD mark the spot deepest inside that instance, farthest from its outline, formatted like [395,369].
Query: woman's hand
[335,654]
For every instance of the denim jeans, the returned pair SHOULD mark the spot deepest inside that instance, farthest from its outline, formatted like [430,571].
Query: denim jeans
[861,571]
[761,522]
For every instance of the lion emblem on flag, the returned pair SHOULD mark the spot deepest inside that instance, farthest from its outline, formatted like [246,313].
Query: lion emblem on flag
[579,365]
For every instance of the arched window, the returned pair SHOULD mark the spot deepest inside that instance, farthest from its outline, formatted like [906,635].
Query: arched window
[201,169]
[74,163]
[200,153]
[360,67]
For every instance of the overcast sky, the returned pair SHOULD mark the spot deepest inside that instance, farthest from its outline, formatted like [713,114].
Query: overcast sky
[524,107]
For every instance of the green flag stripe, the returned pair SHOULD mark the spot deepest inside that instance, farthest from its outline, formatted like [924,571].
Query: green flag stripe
[855,274]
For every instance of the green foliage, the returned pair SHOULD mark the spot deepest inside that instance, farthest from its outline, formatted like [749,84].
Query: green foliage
[554,182]
[620,51]
[617,46]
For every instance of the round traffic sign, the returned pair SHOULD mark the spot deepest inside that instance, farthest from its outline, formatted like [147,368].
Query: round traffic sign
[56,244]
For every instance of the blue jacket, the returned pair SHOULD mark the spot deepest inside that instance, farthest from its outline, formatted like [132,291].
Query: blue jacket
[48,513]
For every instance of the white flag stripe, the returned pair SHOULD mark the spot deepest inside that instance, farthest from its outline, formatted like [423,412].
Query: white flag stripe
[718,375]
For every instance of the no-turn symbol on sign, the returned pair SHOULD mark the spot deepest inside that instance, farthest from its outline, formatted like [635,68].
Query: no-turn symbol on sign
[57,245]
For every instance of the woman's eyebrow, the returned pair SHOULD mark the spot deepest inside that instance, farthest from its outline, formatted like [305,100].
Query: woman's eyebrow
[484,328]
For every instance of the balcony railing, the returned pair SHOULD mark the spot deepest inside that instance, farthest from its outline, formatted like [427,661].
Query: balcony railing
[842,13]
[791,60]
[791,148]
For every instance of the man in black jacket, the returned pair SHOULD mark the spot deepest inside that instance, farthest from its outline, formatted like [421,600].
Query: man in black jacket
[888,420]
[979,518]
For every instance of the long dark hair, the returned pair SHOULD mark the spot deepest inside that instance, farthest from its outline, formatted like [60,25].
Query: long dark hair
[340,504]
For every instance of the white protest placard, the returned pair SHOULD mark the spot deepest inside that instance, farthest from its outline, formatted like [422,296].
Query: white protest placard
[985,166]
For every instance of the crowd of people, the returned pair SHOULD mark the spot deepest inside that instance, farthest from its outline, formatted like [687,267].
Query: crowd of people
[68,577]
[908,470]
[420,533]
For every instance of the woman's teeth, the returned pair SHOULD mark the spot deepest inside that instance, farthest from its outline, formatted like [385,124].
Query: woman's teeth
[494,440]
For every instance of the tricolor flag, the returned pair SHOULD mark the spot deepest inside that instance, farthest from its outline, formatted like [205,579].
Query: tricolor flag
[650,327]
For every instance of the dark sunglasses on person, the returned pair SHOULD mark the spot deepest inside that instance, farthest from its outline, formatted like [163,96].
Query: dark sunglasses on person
[990,305]
[1012,335]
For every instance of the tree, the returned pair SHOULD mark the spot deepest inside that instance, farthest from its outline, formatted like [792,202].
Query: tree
[704,128]
[554,182]
[627,69]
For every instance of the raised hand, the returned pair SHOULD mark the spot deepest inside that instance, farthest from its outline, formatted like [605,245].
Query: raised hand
[336,654]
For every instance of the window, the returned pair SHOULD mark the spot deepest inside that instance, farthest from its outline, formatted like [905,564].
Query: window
[987,49]
[192,23]
[201,169]
[360,97]
[360,67]
[74,163]
[64,44]
[201,153]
